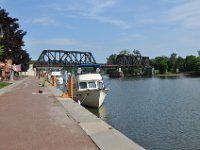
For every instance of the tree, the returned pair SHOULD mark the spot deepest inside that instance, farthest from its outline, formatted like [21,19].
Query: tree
[12,39]
[172,63]
[180,64]
[160,63]
[23,57]
[111,59]
[136,52]
[124,52]
[190,62]
[197,65]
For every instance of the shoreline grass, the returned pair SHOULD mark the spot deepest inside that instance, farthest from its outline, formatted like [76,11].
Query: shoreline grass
[4,84]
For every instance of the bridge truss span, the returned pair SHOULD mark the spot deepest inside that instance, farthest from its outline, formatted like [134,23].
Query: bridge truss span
[61,58]
[132,61]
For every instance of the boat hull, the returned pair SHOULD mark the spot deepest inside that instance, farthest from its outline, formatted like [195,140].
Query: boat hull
[91,98]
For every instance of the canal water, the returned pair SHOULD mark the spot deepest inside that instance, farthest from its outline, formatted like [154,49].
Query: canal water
[157,113]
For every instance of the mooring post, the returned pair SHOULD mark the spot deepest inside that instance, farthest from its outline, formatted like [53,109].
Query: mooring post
[70,87]
[69,93]
[65,86]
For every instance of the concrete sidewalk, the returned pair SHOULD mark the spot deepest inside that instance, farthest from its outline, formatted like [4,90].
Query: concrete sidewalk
[33,121]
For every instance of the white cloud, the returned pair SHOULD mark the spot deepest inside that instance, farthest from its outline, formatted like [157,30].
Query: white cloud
[187,14]
[44,21]
[112,21]
[105,19]
[97,9]
[54,42]
[101,5]
[90,9]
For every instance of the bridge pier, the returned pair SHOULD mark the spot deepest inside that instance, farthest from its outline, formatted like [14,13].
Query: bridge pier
[148,71]
[116,73]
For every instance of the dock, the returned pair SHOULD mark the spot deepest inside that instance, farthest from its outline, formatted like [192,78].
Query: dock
[30,120]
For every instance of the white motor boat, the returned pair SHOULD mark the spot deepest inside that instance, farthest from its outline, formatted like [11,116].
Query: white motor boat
[89,89]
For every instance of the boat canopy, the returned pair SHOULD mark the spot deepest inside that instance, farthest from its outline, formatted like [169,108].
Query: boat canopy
[89,77]
[89,65]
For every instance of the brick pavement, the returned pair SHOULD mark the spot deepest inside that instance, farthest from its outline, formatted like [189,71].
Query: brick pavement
[33,121]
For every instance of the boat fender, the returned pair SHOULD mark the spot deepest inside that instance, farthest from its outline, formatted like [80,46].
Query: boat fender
[79,102]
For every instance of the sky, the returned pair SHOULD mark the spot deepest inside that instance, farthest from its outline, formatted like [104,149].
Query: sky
[105,27]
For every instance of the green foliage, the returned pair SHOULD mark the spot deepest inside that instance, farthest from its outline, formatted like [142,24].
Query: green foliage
[1,50]
[32,61]
[24,60]
[190,62]
[172,63]
[163,64]
[180,64]
[13,40]
[3,84]
[160,63]
[111,59]
[136,52]
[197,65]
[124,52]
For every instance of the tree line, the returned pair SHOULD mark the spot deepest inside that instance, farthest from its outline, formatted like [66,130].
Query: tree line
[176,64]
[164,64]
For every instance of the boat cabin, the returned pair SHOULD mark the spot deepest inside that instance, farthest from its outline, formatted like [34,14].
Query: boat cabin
[92,81]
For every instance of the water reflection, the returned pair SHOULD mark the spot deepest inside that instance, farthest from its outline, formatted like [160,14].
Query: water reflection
[168,77]
[99,112]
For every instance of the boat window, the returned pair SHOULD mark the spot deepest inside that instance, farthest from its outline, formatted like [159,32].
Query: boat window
[82,85]
[92,85]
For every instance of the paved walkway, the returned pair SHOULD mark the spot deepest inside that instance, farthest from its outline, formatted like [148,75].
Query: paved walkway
[33,121]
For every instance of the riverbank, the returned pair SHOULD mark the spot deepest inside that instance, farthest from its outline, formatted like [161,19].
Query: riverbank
[178,74]
[170,75]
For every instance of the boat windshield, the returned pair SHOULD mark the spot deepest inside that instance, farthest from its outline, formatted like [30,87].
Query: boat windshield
[89,85]
[83,85]
[92,85]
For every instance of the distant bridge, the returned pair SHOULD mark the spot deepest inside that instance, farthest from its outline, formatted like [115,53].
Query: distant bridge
[61,58]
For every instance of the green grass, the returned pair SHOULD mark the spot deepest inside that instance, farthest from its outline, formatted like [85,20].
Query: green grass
[3,84]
